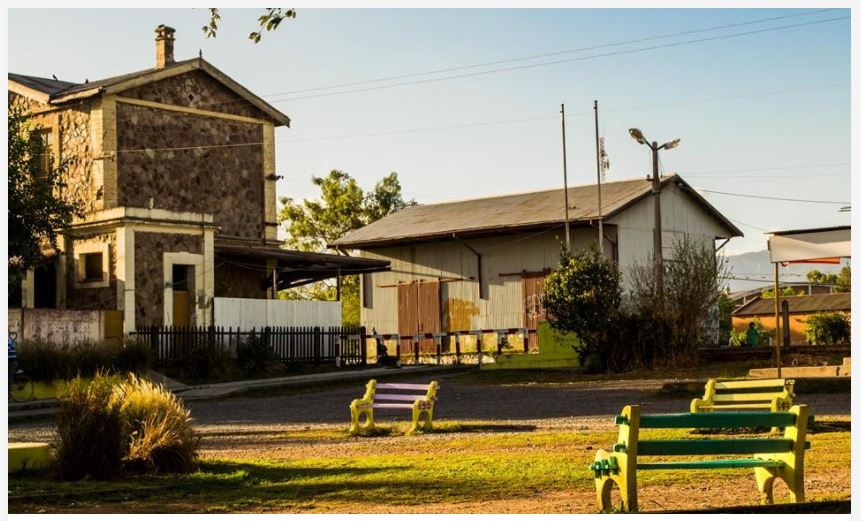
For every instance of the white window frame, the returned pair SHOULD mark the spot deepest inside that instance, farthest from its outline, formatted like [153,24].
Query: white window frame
[85,248]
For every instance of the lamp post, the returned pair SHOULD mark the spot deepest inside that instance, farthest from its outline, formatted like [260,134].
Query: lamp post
[637,135]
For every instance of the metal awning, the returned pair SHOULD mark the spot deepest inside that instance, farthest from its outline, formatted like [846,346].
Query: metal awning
[814,245]
[297,268]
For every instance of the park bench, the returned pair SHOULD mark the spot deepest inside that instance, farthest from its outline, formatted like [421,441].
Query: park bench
[395,396]
[769,457]
[775,394]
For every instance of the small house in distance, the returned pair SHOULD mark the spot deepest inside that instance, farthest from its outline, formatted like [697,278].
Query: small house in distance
[480,263]
[800,308]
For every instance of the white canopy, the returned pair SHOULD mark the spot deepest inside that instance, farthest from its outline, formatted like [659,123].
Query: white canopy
[805,245]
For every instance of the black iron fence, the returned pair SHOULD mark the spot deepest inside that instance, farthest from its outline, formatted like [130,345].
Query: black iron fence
[173,345]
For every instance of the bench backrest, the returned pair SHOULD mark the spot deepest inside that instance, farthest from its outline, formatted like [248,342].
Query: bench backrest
[400,393]
[729,394]
[631,422]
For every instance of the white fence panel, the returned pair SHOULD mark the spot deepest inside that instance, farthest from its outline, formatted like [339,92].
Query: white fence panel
[245,313]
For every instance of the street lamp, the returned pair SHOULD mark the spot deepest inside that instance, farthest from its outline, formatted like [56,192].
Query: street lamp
[638,136]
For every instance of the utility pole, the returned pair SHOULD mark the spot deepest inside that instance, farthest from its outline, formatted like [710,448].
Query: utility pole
[565,181]
[598,164]
[658,246]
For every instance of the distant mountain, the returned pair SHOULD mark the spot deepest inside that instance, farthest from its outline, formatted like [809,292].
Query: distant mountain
[754,269]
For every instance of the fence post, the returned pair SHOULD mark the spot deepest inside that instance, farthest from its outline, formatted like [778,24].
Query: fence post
[526,340]
[153,344]
[478,347]
[439,350]
[338,340]
[457,348]
[416,343]
[318,343]
[363,345]
[499,337]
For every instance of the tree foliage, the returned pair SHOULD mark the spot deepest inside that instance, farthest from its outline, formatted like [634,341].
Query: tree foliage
[343,206]
[582,295]
[828,328]
[36,209]
[786,291]
[268,21]
[842,281]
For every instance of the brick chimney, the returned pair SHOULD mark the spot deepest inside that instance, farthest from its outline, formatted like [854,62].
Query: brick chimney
[164,46]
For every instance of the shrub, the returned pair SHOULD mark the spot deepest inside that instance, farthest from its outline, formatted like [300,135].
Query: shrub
[254,355]
[582,295]
[205,361]
[157,427]
[116,421]
[828,328]
[89,431]
[43,360]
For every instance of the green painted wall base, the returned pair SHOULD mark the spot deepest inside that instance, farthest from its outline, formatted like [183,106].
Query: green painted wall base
[29,456]
[555,350]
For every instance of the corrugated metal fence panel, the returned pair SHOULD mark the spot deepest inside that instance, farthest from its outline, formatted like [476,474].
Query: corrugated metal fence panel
[245,313]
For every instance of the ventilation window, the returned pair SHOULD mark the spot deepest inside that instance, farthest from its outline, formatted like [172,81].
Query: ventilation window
[92,267]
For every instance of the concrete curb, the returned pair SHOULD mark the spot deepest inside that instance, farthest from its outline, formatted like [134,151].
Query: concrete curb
[824,385]
[214,391]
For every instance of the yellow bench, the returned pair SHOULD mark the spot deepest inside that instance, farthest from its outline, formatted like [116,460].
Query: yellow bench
[770,457]
[28,456]
[420,404]
[774,394]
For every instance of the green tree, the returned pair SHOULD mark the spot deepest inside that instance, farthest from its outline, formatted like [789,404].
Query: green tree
[725,318]
[817,277]
[828,328]
[268,21]
[843,284]
[582,295]
[786,291]
[343,206]
[36,209]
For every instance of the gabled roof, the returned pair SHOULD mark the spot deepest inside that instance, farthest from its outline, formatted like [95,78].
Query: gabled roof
[800,304]
[57,92]
[512,213]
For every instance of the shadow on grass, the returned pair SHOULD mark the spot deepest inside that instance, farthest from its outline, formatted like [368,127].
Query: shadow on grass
[229,486]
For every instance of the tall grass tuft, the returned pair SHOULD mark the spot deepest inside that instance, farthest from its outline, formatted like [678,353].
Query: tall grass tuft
[158,428]
[119,422]
[89,430]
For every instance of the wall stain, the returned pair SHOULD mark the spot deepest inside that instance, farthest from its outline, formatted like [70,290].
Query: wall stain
[458,314]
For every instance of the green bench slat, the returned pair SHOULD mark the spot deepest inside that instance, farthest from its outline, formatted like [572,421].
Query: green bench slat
[713,446]
[713,420]
[712,464]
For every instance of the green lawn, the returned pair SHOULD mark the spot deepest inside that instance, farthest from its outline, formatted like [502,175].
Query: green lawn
[465,464]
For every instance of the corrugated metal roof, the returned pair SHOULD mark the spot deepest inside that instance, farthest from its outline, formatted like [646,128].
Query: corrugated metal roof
[509,213]
[798,304]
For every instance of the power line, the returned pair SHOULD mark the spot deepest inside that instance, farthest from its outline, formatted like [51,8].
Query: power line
[567,60]
[771,198]
[545,55]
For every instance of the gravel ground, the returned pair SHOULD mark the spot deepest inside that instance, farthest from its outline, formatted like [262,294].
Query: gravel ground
[544,405]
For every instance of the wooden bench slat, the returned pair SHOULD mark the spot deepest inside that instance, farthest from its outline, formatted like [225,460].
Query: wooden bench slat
[393,406]
[400,397]
[750,384]
[745,397]
[713,446]
[414,387]
[713,420]
[711,464]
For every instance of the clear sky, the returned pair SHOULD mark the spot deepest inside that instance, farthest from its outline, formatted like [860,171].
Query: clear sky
[778,124]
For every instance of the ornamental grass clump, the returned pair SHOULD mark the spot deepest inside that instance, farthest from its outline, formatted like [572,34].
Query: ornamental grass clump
[116,423]
[89,430]
[158,428]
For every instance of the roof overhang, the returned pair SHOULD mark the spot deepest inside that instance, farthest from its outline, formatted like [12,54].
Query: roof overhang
[810,245]
[297,268]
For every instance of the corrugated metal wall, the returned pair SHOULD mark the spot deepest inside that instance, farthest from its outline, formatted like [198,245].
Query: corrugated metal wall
[246,313]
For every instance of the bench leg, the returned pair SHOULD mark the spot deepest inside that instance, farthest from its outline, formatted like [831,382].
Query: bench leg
[765,485]
[356,413]
[621,476]
[417,422]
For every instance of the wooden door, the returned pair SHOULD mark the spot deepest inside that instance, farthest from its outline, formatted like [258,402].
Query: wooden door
[429,313]
[181,308]
[532,285]
[408,321]
[419,312]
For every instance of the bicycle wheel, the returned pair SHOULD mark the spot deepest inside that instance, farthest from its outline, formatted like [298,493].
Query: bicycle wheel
[22,389]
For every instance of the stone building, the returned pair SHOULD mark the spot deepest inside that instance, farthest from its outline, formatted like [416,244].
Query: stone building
[174,168]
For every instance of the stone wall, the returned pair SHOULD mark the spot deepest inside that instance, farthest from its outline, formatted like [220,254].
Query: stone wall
[226,181]
[197,90]
[91,298]
[232,280]
[149,271]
